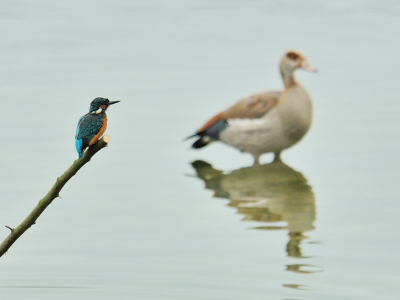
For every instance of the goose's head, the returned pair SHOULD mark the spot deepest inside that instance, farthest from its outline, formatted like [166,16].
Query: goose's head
[292,60]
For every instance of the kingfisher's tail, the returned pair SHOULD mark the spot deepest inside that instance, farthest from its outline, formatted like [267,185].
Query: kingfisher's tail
[79,148]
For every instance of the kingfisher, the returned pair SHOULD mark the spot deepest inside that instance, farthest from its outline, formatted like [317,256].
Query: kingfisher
[265,122]
[92,125]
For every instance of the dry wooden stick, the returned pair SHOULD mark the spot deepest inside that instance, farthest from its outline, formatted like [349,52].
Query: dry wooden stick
[52,194]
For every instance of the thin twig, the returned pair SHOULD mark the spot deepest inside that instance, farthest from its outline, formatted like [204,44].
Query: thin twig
[12,229]
[52,194]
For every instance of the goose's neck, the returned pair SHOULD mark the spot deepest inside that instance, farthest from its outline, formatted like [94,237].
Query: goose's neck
[288,77]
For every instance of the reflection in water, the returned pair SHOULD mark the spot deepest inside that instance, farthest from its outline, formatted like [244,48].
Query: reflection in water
[297,287]
[268,193]
[303,269]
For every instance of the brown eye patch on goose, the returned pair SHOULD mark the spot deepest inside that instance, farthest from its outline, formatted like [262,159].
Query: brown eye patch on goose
[292,55]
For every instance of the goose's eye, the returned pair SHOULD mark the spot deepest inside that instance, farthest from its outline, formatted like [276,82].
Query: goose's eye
[292,55]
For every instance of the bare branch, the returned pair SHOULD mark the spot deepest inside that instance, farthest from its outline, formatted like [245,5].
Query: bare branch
[52,194]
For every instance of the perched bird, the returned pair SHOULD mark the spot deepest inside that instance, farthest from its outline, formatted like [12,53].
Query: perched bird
[92,125]
[265,122]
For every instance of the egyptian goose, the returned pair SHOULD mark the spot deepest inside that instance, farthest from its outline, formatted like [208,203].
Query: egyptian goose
[265,122]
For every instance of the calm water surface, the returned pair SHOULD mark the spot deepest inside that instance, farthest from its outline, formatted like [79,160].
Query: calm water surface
[149,218]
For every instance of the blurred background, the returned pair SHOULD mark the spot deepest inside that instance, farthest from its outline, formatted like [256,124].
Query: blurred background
[148,218]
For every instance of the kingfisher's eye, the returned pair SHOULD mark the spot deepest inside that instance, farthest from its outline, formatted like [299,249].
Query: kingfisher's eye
[292,55]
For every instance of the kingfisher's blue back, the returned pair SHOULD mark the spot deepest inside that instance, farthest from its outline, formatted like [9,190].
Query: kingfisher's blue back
[92,125]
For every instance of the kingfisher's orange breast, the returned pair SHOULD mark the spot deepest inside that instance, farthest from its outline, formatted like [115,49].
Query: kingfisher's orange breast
[101,132]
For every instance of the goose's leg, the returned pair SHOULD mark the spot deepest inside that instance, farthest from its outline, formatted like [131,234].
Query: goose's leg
[256,160]
[277,158]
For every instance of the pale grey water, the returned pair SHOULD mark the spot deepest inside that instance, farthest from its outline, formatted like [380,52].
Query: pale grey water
[135,223]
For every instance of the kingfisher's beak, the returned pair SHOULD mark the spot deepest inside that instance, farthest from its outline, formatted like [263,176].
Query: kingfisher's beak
[113,102]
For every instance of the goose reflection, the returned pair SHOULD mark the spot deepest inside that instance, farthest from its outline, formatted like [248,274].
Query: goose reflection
[268,193]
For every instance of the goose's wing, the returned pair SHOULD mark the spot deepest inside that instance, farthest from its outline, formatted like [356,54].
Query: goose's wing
[253,107]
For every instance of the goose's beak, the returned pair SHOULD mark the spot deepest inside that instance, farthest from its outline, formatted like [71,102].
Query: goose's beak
[113,102]
[305,65]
